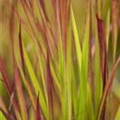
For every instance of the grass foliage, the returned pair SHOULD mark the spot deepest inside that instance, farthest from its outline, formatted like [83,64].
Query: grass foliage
[57,72]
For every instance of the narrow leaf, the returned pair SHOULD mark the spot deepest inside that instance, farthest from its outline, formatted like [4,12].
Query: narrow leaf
[20,95]
[38,112]
[49,88]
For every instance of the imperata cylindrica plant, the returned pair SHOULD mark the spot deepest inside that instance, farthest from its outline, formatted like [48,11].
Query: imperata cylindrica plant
[59,60]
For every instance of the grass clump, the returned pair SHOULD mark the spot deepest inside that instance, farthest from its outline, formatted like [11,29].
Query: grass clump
[56,73]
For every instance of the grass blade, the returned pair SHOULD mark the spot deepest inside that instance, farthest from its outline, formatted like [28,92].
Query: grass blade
[21,48]
[108,87]
[35,83]
[77,41]
[69,73]
[84,67]
[38,112]
[107,29]
[20,96]
[49,88]
[114,27]
[98,75]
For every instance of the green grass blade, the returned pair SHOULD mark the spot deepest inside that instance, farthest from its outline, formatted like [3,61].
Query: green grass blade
[61,71]
[107,29]
[27,86]
[77,41]
[98,75]
[74,91]
[69,71]
[2,117]
[84,69]
[114,27]
[41,68]
[35,83]
[55,77]
[99,7]
[90,109]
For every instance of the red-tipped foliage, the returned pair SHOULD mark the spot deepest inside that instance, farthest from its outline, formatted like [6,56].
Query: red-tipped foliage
[103,56]
[42,4]
[38,111]
[21,49]
[103,51]
[49,87]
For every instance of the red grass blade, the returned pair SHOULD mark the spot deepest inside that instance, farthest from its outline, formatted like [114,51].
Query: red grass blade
[103,56]
[103,51]
[21,49]
[49,87]
[38,111]
[42,4]
[12,27]
[39,26]
[64,12]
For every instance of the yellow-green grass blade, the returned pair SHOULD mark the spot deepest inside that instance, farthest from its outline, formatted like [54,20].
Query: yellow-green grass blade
[23,75]
[114,27]
[90,109]
[27,85]
[55,77]
[42,76]
[107,28]
[24,80]
[98,75]
[61,59]
[35,83]
[74,92]
[84,69]
[62,77]
[61,71]
[79,59]
[69,74]
[77,41]
[2,117]
[99,8]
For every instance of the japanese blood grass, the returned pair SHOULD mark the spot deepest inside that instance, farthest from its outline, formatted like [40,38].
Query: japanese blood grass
[58,75]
